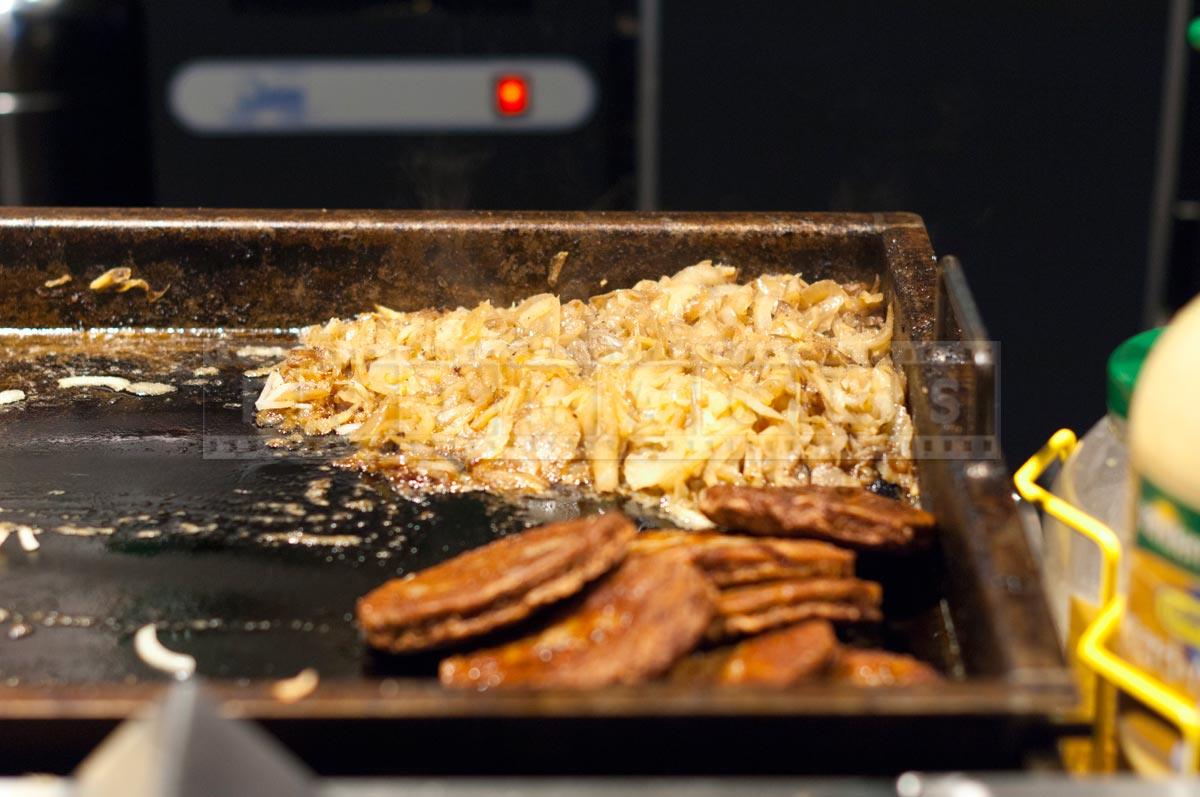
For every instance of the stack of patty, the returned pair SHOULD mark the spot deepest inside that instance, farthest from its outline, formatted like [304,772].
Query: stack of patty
[769,582]
[624,607]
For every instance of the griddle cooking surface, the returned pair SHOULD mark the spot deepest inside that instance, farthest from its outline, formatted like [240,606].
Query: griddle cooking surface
[177,510]
[248,550]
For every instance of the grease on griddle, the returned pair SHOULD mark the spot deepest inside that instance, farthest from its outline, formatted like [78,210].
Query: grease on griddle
[318,491]
[195,528]
[307,540]
[887,489]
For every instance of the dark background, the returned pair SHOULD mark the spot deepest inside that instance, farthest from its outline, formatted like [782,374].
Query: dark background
[1026,134]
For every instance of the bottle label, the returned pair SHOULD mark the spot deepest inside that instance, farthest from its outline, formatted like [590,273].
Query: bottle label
[1161,632]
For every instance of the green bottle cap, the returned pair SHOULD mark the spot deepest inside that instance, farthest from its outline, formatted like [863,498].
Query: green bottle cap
[1193,33]
[1123,367]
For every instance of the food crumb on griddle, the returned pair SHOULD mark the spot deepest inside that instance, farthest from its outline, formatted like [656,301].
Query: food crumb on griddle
[26,535]
[150,388]
[261,352]
[556,266]
[155,654]
[28,539]
[120,280]
[298,687]
[20,631]
[117,383]
[69,530]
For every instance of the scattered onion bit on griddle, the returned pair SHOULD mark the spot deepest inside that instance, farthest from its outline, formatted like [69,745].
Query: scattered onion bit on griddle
[120,279]
[11,396]
[155,654]
[26,535]
[117,383]
[298,687]
[261,352]
[63,280]
[150,388]
[28,539]
[556,266]
[71,530]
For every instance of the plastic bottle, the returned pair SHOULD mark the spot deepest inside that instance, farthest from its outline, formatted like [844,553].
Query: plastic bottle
[1095,478]
[1161,630]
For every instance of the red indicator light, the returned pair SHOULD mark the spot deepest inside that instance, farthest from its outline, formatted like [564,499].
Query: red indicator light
[512,95]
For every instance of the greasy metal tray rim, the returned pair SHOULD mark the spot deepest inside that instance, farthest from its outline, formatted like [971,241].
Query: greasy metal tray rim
[416,699]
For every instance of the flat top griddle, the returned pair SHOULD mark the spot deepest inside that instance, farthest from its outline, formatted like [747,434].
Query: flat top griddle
[248,550]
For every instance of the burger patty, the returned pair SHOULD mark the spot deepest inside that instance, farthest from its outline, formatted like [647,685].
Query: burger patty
[880,668]
[496,585]
[845,515]
[729,559]
[631,627]
[742,611]
[781,658]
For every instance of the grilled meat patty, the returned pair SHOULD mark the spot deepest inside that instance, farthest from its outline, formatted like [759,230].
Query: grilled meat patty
[846,515]
[631,627]
[729,559]
[880,668]
[752,609]
[496,585]
[781,658]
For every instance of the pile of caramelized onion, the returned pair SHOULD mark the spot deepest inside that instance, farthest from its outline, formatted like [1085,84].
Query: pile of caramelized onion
[654,391]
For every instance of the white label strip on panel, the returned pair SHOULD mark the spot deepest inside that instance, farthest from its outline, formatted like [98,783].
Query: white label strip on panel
[302,96]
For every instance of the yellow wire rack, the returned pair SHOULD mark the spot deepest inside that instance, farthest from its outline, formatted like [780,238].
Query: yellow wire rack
[1092,649]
